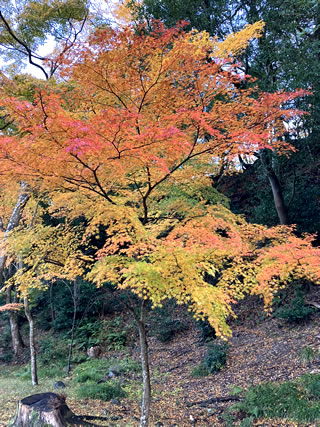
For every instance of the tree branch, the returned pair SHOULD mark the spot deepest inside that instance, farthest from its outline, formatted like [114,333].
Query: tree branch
[28,52]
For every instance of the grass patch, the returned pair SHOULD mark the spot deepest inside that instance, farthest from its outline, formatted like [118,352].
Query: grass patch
[24,373]
[94,370]
[105,391]
[13,387]
[15,384]
[88,374]
[296,400]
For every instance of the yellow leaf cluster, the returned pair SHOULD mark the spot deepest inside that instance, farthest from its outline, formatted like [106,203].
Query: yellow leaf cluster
[235,43]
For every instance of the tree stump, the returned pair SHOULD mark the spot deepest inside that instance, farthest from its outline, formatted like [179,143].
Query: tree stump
[44,409]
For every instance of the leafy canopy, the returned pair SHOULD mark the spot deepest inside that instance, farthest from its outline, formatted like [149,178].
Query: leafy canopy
[151,116]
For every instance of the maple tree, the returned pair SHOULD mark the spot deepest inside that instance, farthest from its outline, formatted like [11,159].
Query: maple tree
[129,143]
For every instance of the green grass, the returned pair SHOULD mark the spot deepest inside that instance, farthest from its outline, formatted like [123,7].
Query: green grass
[54,371]
[13,388]
[297,400]
[105,391]
[94,370]
[15,383]
[88,374]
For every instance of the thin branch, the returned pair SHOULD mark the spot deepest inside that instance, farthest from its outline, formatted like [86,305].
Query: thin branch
[29,52]
[55,64]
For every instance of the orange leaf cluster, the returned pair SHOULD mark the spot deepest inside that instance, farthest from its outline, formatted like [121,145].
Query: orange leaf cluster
[142,114]
[11,307]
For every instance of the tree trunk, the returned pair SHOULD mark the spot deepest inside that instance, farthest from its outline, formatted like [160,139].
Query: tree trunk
[16,339]
[75,307]
[33,354]
[146,398]
[53,316]
[23,198]
[278,198]
[44,409]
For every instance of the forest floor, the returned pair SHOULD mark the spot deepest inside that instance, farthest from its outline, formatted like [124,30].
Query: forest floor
[270,351]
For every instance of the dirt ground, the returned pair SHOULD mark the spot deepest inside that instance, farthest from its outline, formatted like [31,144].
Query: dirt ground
[269,352]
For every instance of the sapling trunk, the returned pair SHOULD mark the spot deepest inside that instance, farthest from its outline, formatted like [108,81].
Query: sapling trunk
[146,397]
[33,354]
[32,344]
[75,307]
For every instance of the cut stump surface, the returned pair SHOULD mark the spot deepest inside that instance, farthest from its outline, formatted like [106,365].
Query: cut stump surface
[44,409]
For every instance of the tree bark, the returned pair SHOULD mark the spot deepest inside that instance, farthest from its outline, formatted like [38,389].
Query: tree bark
[146,397]
[75,307]
[33,354]
[53,316]
[23,198]
[278,197]
[44,409]
[16,339]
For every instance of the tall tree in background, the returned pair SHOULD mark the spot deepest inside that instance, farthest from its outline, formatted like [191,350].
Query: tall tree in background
[286,57]
[26,25]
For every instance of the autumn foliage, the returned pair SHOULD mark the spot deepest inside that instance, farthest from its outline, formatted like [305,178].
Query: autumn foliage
[141,117]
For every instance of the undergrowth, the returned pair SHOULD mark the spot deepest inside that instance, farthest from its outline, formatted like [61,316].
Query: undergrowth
[105,391]
[296,400]
[213,361]
[94,370]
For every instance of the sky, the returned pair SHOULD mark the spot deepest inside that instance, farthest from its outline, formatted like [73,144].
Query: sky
[103,6]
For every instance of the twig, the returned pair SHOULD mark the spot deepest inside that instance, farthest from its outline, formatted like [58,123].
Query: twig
[214,400]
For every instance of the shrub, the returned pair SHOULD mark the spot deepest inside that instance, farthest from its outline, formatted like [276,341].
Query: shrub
[87,334]
[110,332]
[308,354]
[128,365]
[296,311]
[6,355]
[164,323]
[114,333]
[293,400]
[90,304]
[311,383]
[200,371]
[207,333]
[216,357]
[213,361]
[52,351]
[94,370]
[105,391]
[168,328]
